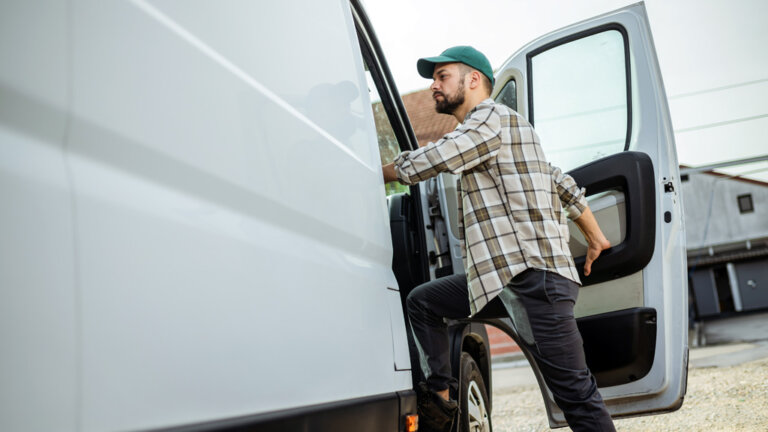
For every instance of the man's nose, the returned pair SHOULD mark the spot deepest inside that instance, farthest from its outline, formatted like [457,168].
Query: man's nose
[434,87]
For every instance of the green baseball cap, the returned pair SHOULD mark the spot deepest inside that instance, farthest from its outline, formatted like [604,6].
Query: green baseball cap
[462,54]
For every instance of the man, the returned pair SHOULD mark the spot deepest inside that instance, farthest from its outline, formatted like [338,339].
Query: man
[513,208]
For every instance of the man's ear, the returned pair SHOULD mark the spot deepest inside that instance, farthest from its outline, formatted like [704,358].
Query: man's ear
[475,79]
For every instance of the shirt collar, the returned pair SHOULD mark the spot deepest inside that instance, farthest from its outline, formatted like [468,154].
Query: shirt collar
[483,103]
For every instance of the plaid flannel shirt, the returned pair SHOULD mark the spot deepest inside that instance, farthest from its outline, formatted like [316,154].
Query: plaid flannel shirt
[512,204]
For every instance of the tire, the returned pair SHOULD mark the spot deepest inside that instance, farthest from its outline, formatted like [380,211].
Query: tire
[473,398]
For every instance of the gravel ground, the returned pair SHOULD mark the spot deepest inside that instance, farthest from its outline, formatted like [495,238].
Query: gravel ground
[733,398]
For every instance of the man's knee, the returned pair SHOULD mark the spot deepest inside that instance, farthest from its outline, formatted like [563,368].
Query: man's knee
[413,302]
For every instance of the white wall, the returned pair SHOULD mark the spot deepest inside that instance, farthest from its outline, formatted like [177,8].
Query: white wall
[712,214]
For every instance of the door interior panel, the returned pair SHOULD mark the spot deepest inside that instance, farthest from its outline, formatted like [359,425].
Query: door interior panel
[619,333]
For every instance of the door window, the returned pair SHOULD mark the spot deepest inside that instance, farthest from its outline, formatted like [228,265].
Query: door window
[580,98]
[508,95]
[389,146]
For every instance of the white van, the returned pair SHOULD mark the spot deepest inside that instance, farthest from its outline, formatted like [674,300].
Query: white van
[194,233]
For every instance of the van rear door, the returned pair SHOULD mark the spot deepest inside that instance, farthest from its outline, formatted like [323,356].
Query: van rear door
[594,93]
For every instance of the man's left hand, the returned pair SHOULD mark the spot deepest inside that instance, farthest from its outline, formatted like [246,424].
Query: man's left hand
[595,239]
[593,251]
[389,173]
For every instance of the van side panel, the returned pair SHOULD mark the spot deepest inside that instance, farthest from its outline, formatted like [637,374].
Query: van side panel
[234,248]
[38,358]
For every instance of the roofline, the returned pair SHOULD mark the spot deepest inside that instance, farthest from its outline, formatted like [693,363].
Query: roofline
[721,175]
[723,164]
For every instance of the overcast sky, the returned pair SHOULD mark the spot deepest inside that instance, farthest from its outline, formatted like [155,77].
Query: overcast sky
[712,55]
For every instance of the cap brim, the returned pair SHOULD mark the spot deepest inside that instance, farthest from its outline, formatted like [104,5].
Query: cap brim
[426,66]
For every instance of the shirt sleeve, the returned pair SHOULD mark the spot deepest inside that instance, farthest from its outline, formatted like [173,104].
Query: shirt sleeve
[472,143]
[570,194]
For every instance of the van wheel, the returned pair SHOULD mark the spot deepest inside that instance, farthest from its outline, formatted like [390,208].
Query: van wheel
[473,398]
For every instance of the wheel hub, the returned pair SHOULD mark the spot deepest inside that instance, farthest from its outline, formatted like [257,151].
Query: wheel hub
[477,412]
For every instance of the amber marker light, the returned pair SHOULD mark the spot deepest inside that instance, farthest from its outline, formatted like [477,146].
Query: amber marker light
[411,423]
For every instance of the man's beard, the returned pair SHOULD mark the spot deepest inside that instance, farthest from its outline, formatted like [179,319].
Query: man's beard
[449,104]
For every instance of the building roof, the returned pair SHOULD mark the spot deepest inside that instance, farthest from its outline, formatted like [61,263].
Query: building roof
[427,124]
[702,258]
[731,177]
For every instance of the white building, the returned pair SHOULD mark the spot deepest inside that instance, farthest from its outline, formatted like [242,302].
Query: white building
[727,235]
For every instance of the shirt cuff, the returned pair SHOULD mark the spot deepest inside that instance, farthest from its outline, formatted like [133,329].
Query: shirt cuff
[401,163]
[579,205]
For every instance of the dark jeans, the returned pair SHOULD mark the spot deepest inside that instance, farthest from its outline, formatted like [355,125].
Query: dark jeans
[540,304]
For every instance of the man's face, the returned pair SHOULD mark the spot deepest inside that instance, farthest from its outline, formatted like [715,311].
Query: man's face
[448,87]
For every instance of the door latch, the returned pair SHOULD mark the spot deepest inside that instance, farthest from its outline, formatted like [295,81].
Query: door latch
[669,187]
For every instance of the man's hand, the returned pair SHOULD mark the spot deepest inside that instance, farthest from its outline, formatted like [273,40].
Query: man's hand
[389,173]
[595,238]
[593,251]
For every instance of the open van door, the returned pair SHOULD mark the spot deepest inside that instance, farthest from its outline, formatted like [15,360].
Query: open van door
[594,93]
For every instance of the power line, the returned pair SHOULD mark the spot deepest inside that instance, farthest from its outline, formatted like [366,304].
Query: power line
[722,123]
[715,89]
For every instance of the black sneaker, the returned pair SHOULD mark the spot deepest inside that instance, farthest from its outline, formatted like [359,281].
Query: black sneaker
[435,413]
